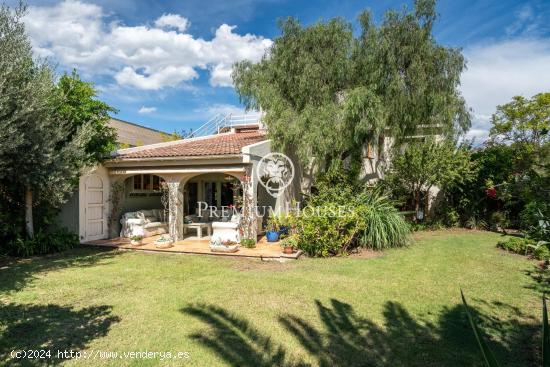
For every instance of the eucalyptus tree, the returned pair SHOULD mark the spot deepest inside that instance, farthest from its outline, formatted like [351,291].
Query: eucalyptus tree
[326,93]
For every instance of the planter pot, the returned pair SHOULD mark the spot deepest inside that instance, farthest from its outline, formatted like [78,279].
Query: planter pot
[284,230]
[272,236]
[288,250]
[223,248]
[164,244]
[136,242]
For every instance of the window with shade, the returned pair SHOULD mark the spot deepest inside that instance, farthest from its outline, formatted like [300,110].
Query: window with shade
[147,183]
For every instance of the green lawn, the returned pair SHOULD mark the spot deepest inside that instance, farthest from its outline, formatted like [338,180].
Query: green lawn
[399,309]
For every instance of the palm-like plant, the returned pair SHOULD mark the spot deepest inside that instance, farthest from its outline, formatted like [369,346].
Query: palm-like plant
[384,226]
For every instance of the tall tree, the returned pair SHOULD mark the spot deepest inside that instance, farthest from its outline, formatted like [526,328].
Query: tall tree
[419,166]
[522,120]
[79,106]
[326,93]
[49,133]
[522,127]
[26,93]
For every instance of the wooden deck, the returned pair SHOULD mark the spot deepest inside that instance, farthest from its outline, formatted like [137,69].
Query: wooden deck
[192,245]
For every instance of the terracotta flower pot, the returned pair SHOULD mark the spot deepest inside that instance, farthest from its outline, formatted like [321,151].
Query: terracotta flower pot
[288,250]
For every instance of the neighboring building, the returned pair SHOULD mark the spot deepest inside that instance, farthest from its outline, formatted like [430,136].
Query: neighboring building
[133,135]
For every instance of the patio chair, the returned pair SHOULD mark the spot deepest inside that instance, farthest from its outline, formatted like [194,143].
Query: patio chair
[145,223]
[227,230]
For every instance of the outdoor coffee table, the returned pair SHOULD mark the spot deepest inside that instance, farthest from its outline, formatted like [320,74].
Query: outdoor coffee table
[199,227]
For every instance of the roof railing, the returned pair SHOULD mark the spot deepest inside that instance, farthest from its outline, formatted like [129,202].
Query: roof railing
[224,121]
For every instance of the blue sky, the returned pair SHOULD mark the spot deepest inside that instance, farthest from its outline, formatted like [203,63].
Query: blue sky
[166,64]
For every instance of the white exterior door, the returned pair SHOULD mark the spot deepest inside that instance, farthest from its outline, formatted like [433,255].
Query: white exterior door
[94,209]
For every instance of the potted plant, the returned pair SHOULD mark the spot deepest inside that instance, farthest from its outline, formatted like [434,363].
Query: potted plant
[136,240]
[272,233]
[164,241]
[286,222]
[248,242]
[289,245]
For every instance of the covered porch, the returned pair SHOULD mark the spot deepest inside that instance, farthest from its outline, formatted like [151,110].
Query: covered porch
[157,190]
[183,198]
[168,184]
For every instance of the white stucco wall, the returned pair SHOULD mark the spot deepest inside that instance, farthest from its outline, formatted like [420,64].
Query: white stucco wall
[253,154]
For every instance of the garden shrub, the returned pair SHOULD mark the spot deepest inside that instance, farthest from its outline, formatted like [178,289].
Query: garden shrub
[535,220]
[451,218]
[526,246]
[338,218]
[541,252]
[515,244]
[382,225]
[498,220]
[43,242]
[248,242]
[429,225]
[322,236]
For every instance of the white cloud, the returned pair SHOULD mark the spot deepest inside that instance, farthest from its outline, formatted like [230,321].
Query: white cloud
[524,20]
[497,72]
[221,108]
[70,31]
[169,76]
[144,109]
[220,76]
[78,34]
[172,21]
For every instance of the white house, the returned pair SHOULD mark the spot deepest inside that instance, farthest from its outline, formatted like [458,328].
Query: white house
[204,169]
[217,167]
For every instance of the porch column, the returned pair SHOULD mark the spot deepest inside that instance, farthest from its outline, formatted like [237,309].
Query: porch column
[175,208]
[117,193]
[249,221]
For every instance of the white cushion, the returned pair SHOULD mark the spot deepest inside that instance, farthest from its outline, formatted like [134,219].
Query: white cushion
[136,223]
[153,224]
[130,215]
[147,213]
[231,225]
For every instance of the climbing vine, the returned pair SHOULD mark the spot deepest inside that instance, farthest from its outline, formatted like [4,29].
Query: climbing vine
[115,199]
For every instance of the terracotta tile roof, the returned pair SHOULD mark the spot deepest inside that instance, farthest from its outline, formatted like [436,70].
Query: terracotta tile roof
[222,144]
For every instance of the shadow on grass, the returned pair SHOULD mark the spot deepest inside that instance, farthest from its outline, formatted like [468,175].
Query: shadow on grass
[540,279]
[348,339]
[236,341]
[51,327]
[15,274]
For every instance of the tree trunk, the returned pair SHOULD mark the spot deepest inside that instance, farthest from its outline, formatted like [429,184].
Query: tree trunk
[28,213]
[426,203]
[416,205]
